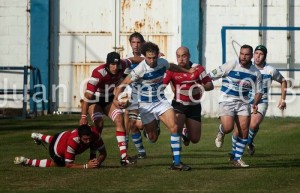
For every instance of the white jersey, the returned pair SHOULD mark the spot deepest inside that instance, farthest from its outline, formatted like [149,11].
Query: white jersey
[268,74]
[237,81]
[150,80]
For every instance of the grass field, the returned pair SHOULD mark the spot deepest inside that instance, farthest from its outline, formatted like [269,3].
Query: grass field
[275,167]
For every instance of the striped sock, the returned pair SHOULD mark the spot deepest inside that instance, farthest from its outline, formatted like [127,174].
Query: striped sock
[221,129]
[176,148]
[233,144]
[38,163]
[251,134]
[138,142]
[121,143]
[46,138]
[239,148]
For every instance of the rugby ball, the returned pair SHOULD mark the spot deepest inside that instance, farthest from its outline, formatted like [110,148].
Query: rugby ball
[123,99]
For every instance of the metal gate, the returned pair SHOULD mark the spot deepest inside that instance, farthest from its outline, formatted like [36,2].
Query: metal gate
[85,31]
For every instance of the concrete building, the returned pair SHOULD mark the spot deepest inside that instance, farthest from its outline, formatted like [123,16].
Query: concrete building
[66,39]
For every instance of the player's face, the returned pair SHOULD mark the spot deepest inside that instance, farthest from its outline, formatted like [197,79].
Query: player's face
[136,45]
[245,56]
[113,68]
[183,58]
[259,57]
[85,139]
[151,59]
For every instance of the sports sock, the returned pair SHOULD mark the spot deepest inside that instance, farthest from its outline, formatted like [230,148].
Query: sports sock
[120,135]
[46,138]
[38,163]
[252,133]
[176,148]
[138,142]
[221,129]
[233,144]
[239,148]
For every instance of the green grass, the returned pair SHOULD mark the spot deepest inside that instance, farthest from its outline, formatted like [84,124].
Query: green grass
[275,167]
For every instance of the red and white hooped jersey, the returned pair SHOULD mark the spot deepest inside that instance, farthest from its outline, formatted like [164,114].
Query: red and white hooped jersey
[103,81]
[68,144]
[186,85]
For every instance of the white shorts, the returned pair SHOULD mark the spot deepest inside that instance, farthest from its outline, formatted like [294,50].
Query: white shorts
[233,108]
[261,108]
[151,111]
[134,103]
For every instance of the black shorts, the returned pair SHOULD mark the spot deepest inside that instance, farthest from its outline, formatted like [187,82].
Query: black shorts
[103,101]
[190,111]
[60,161]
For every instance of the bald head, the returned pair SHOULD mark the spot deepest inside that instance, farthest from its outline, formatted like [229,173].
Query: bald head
[183,56]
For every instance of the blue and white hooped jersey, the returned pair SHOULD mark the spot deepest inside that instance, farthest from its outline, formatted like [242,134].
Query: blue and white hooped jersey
[237,81]
[150,80]
[268,74]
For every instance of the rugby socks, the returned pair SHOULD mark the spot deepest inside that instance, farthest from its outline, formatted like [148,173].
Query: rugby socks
[38,163]
[239,148]
[46,138]
[121,143]
[233,144]
[221,129]
[138,142]
[176,148]
[251,135]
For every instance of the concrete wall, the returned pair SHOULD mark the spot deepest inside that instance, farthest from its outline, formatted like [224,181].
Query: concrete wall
[218,13]
[14,47]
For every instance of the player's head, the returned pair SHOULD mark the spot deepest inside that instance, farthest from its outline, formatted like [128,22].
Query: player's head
[260,54]
[150,51]
[113,62]
[136,41]
[183,56]
[246,54]
[84,133]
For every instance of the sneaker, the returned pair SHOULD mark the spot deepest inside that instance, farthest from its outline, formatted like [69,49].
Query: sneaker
[20,160]
[141,155]
[37,138]
[239,164]
[251,149]
[184,137]
[231,157]
[180,167]
[128,161]
[219,140]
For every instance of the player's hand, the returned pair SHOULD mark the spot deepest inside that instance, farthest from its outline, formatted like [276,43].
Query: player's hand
[83,121]
[282,105]
[93,163]
[254,109]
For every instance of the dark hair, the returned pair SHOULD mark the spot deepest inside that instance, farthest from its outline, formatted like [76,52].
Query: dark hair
[247,46]
[137,35]
[149,47]
[112,57]
[84,130]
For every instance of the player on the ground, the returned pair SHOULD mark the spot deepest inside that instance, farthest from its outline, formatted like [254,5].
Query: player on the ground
[152,101]
[64,146]
[188,90]
[239,77]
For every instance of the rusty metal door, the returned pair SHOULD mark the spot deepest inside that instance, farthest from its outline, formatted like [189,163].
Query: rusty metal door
[84,32]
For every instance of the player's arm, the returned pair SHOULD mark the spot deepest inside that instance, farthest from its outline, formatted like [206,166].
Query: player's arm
[282,103]
[258,92]
[119,89]
[89,165]
[84,108]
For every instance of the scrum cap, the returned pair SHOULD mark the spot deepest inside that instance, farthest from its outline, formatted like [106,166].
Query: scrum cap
[262,48]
